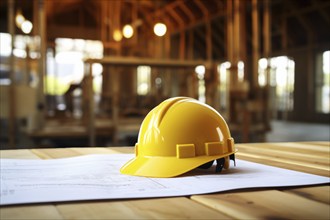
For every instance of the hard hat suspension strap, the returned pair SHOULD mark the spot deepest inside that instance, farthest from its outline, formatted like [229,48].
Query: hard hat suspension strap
[232,157]
[220,165]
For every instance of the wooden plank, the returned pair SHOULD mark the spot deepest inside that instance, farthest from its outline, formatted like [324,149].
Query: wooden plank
[296,156]
[134,61]
[18,154]
[73,152]
[62,152]
[295,146]
[307,202]
[319,143]
[270,204]
[55,153]
[94,150]
[291,147]
[123,150]
[30,212]
[291,165]
[168,208]
[306,157]
[316,193]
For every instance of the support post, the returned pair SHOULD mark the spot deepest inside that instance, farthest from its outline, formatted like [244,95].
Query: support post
[91,114]
[12,95]
[255,43]
[42,64]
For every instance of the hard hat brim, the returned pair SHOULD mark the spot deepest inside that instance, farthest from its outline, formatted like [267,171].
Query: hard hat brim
[153,166]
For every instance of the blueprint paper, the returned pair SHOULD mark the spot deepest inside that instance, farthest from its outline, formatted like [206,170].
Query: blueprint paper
[92,177]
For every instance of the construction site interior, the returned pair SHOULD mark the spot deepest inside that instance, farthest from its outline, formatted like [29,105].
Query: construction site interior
[85,73]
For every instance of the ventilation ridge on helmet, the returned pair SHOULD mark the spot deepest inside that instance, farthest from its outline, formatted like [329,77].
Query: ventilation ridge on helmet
[166,106]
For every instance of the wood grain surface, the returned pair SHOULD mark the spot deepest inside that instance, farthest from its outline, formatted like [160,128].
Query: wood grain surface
[311,202]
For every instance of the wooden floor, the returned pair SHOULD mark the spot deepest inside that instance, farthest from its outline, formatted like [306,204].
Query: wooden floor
[285,131]
[312,202]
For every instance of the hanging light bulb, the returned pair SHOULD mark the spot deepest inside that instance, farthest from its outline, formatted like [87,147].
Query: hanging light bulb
[26,26]
[117,36]
[19,19]
[160,29]
[200,70]
[128,31]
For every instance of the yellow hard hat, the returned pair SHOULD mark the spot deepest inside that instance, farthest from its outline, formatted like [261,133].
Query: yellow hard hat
[178,135]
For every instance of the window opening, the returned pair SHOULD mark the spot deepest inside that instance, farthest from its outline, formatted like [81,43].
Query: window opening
[323,83]
[223,87]
[200,72]
[143,80]
[281,80]
[65,73]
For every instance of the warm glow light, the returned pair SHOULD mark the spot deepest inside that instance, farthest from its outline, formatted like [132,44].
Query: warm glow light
[128,31]
[117,36]
[97,69]
[200,70]
[27,26]
[19,19]
[5,44]
[326,62]
[263,63]
[160,29]
[240,66]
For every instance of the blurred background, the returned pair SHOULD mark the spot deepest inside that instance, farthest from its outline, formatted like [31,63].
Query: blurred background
[86,72]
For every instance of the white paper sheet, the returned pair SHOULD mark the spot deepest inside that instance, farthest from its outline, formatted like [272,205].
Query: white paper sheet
[97,177]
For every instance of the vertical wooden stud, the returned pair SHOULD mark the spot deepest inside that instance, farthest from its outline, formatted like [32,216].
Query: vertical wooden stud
[12,95]
[255,43]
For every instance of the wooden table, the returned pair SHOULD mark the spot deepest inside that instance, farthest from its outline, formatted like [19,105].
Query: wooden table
[277,203]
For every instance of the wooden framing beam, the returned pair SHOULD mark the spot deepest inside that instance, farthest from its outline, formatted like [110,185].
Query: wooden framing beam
[306,10]
[236,32]
[187,11]
[54,7]
[320,8]
[208,36]
[176,17]
[267,29]
[255,42]
[202,7]
[306,25]
[182,46]
[243,33]
[200,22]
[230,34]
[104,21]
[12,92]
[134,61]
[217,38]
[208,39]
[199,37]
[90,7]
[161,11]
[191,39]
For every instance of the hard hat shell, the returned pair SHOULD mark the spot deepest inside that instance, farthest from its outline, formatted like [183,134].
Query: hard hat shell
[177,136]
